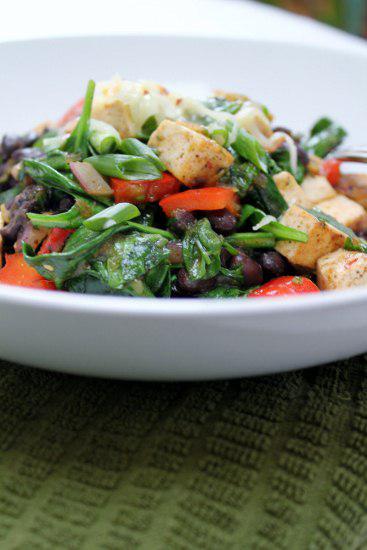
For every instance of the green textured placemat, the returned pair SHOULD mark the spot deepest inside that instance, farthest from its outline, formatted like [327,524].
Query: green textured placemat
[271,463]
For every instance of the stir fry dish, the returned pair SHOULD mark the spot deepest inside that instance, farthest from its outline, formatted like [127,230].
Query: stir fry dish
[137,191]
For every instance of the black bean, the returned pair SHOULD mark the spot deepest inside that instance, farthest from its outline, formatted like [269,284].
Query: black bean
[273,263]
[222,220]
[65,204]
[27,153]
[225,257]
[189,287]
[251,270]
[182,221]
[175,252]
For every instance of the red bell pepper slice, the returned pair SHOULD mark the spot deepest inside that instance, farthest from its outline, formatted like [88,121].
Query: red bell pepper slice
[331,169]
[206,198]
[17,272]
[285,286]
[141,191]
[55,241]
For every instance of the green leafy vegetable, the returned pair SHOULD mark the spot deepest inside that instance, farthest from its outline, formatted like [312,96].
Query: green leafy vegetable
[111,216]
[126,167]
[103,137]
[241,176]
[149,126]
[80,246]
[126,259]
[201,249]
[77,142]
[282,159]
[265,194]
[325,137]
[250,149]
[134,147]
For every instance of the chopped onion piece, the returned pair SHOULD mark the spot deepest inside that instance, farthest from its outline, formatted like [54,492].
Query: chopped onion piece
[90,180]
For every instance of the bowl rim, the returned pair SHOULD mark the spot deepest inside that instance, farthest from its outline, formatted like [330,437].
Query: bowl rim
[182,307]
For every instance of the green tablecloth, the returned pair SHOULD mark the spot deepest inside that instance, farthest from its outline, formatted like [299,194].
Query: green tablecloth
[270,463]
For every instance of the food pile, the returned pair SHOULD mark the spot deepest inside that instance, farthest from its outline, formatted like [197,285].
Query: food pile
[137,191]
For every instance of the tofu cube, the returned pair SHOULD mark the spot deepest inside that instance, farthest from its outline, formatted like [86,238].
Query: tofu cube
[114,111]
[344,210]
[342,269]
[317,189]
[322,239]
[291,190]
[190,156]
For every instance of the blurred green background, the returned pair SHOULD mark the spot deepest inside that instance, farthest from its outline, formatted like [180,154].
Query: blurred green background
[350,15]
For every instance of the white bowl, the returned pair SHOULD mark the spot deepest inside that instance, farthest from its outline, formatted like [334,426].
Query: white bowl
[182,339]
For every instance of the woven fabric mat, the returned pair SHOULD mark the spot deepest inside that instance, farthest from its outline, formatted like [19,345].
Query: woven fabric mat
[269,463]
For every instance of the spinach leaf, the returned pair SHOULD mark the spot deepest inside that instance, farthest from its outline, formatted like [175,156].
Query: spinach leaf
[282,159]
[80,247]
[250,149]
[149,126]
[325,136]
[78,142]
[265,194]
[241,176]
[128,258]
[201,249]
[158,280]
[134,147]
[126,167]
[89,282]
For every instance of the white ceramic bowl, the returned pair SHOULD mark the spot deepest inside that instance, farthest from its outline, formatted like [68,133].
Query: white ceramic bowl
[182,339]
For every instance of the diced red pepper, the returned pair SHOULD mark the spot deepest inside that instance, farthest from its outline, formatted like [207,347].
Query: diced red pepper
[55,241]
[142,191]
[72,113]
[17,272]
[331,169]
[285,286]
[206,198]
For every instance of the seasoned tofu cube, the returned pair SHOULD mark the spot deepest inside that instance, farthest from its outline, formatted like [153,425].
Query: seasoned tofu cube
[116,112]
[318,188]
[344,210]
[354,186]
[291,191]
[193,158]
[342,269]
[322,238]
